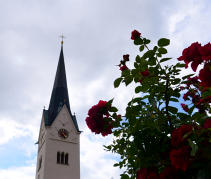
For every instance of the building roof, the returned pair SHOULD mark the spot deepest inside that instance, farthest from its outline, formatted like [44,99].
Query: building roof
[59,96]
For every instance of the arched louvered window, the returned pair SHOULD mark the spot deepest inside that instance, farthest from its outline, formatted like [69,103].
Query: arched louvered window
[66,159]
[58,157]
[62,158]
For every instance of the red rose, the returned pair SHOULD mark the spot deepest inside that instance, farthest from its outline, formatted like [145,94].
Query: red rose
[177,137]
[207,123]
[97,119]
[123,68]
[147,173]
[169,173]
[185,97]
[192,54]
[145,73]
[205,75]
[206,52]
[180,158]
[185,107]
[135,34]
[126,57]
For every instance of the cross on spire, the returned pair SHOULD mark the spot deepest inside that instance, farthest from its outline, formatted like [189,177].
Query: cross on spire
[62,37]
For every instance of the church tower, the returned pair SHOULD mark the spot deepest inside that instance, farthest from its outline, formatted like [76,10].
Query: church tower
[59,138]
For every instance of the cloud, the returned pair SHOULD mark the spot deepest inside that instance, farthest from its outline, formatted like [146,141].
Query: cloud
[95,161]
[18,172]
[9,129]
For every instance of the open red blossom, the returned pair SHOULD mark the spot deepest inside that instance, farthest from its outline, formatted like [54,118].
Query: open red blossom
[135,34]
[97,119]
[192,54]
[180,158]
[205,75]
[145,73]
[185,107]
[169,173]
[206,52]
[207,123]
[147,173]
[126,57]
[123,68]
[177,137]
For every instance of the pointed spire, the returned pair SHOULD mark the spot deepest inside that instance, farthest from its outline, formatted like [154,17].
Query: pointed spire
[59,95]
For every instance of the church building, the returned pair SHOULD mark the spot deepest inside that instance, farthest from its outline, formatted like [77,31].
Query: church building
[59,137]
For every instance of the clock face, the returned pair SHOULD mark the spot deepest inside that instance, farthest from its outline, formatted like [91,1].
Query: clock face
[63,133]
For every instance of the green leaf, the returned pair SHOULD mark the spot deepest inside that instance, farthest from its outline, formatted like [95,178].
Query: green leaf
[124,176]
[116,164]
[162,50]
[138,59]
[174,99]
[155,48]
[147,41]
[180,65]
[185,77]
[113,109]
[128,80]
[164,59]
[141,48]
[135,65]
[158,54]
[117,82]
[138,41]
[125,72]
[138,89]
[152,61]
[163,42]
[176,81]
[108,104]
[148,54]
[172,109]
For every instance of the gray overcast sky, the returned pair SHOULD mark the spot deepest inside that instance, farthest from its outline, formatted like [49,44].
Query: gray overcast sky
[97,35]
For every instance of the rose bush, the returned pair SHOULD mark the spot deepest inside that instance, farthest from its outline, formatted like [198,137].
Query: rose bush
[158,136]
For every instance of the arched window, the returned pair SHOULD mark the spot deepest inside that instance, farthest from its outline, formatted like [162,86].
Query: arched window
[66,159]
[58,157]
[62,158]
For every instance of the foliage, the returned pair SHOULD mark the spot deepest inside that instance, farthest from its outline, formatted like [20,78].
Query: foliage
[153,138]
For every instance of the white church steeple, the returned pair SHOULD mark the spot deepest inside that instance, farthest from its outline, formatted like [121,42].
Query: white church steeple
[59,138]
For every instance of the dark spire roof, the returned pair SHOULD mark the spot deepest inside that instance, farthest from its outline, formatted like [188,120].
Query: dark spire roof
[59,95]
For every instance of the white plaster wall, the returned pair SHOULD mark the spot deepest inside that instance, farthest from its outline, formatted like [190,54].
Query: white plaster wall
[53,144]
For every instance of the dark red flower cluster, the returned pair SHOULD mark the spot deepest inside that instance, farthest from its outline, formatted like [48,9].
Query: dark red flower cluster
[197,54]
[205,75]
[145,73]
[169,173]
[177,137]
[180,158]
[97,119]
[126,57]
[194,93]
[147,173]
[123,68]
[207,123]
[180,154]
[122,64]
[135,34]
[185,107]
